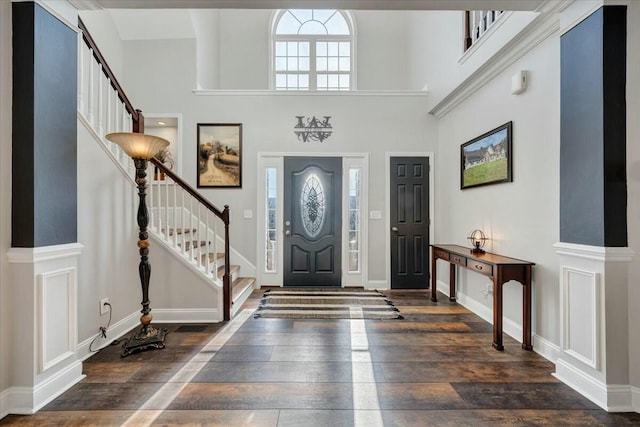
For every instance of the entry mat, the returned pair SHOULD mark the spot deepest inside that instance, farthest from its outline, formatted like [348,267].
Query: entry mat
[325,304]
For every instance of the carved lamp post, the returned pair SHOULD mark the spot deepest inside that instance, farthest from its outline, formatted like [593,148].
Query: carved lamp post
[141,148]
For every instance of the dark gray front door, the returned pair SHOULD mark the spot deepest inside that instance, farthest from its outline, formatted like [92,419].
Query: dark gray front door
[409,222]
[312,221]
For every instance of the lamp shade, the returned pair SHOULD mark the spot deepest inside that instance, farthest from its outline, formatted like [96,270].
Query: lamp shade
[138,145]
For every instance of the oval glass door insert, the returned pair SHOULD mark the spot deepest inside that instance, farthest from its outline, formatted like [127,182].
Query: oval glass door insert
[313,206]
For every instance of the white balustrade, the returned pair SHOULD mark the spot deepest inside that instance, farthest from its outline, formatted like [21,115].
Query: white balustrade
[175,216]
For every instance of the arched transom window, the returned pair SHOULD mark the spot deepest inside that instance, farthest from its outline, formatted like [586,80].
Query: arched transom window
[313,50]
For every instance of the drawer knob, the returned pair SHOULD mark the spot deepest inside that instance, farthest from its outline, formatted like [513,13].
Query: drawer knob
[478,267]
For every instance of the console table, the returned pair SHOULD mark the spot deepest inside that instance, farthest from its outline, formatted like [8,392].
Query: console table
[500,269]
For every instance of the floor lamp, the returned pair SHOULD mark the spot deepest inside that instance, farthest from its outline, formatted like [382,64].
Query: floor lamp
[141,148]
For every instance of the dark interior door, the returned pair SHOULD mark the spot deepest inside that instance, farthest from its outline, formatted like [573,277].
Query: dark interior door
[312,221]
[409,222]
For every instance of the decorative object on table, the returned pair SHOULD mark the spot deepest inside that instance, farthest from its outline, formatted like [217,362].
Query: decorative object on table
[141,148]
[165,156]
[478,239]
[313,129]
[220,155]
[487,159]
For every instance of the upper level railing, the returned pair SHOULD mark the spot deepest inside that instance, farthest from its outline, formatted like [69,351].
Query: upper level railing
[179,215]
[478,22]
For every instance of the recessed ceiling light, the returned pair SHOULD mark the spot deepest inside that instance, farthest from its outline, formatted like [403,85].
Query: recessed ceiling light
[161,123]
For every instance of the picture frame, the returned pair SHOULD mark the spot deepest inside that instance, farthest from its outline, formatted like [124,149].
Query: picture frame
[219,155]
[487,159]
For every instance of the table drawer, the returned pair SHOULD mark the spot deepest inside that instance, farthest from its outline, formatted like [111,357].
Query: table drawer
[441,254]
[457,259]
[480,267]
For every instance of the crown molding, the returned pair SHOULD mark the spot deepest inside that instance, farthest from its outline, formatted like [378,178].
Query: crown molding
[540,29]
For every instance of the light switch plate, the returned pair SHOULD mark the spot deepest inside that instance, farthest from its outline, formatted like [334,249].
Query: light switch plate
[375,215]
[248,214]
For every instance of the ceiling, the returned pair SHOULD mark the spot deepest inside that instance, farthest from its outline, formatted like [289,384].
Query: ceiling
[309,4]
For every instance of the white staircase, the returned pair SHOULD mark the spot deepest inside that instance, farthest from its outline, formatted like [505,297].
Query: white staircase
[181,219]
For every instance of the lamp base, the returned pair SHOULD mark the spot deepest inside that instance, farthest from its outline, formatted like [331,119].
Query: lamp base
[147,338]
[477,251]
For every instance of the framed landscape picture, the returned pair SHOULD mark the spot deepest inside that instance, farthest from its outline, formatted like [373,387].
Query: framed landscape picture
[220,155]
[487,158]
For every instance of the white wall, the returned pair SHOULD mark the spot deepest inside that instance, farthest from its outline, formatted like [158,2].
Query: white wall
[237,55]
[108,266]
[382,50]
[362,124]
[521,217]
[437,55]
[244,49]
[435,43]
[6,328]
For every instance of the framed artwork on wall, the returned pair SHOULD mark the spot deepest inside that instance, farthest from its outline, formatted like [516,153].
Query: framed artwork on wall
[487,159]
[219,155]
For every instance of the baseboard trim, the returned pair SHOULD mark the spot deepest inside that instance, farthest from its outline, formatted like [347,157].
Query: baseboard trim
[635,399]
[377,284]
[114,332]
[4,403]
[57,384]
[171,315]
[160,315]
[545,348]
[610,397]
[587,386]
[29,400]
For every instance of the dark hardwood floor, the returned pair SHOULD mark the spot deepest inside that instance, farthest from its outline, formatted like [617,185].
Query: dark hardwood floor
[435,367]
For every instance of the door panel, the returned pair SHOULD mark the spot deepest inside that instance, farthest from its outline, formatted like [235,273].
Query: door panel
[313,221]
[409,222]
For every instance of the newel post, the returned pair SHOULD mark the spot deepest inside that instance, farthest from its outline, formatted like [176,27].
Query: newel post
[226,279]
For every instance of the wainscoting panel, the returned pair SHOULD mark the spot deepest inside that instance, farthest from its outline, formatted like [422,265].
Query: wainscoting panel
[57,316]
[581,315]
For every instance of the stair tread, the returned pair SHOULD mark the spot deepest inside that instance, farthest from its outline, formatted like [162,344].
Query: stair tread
[173,231]
[188,244]
[232,269]
[213,257]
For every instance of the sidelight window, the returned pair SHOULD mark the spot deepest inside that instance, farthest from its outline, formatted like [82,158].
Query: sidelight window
[271,243]
[354,220]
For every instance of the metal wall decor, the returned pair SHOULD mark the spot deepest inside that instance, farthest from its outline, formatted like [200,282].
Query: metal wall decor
[314,129]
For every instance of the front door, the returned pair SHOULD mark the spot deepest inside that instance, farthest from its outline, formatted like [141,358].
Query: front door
[312,221]
[409,221]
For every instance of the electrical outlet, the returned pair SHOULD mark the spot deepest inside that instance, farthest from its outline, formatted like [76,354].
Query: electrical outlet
[104,308]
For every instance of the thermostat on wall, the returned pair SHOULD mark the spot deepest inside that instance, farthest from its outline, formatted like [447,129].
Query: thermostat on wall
[519,82]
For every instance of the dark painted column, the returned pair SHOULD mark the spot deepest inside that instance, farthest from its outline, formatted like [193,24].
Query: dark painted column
[593,187]
[44,168]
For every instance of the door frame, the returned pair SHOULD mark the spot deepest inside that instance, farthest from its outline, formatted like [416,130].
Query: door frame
[276,160]
[387,164]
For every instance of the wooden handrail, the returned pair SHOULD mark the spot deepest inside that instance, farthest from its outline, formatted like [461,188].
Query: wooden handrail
[86,36]
[220,214]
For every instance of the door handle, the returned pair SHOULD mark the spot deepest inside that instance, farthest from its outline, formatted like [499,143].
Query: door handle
[287,232]
[394,229]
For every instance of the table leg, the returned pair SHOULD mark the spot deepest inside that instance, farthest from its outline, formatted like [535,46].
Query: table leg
[452,282]
[526,310]
[497,313]
[434,281]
